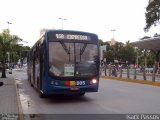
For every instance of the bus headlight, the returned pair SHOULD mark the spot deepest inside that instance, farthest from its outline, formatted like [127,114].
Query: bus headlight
[94,81]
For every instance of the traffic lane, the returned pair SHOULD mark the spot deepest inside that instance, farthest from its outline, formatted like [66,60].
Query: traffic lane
[71,105]
[113,97]
[58,104]
[128,97]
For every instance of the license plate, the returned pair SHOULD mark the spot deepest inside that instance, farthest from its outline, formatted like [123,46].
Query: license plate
[74,88]
[80,83]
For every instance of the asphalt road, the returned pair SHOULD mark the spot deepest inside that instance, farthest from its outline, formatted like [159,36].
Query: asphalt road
[114,97]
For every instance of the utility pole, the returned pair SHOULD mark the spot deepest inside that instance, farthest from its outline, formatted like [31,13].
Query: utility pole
[9,23]
[62,19]
[9,58]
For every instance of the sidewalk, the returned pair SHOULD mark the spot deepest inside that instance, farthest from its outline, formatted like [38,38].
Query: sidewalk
[9,103]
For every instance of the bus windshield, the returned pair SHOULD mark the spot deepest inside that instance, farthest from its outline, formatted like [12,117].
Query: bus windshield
[73,59]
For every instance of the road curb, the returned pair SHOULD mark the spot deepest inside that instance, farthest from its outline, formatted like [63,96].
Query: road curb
[132,80]
[20,110]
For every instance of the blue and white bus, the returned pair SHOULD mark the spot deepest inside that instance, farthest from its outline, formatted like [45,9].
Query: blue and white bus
[64,62]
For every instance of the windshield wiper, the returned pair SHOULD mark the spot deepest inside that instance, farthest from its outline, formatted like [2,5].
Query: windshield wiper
[83,49]
[65,48]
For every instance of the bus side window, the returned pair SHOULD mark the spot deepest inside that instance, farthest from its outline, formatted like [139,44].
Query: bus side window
[43,60]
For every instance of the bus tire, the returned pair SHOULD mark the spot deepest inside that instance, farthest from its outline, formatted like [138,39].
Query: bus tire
[31,84]
[42,95]
[81,94]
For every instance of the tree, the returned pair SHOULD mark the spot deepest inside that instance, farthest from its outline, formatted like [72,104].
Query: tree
[120,52]
[109,53]
[7,44]
[118,46]
[156,35]
[127,53]
[100,42]
[152,14]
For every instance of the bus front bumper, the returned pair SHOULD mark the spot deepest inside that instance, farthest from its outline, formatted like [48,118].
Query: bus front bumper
[70,90]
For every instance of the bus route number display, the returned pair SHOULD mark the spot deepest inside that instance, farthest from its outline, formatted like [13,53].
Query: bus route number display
[72,37]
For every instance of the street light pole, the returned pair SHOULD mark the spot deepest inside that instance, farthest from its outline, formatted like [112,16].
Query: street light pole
[9,58]
[62,19]
[8,24]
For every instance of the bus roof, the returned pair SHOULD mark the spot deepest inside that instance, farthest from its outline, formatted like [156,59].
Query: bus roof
[63,31]
[69,31]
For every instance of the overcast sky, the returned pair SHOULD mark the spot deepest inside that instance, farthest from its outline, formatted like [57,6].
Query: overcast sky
[97,16]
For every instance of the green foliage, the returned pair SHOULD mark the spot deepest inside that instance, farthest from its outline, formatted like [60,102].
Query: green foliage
[152,14]
[120,52]
[150,56]
[156,35]
[109,56]
[150,59]
[100,42]
[7,44]
[127,53]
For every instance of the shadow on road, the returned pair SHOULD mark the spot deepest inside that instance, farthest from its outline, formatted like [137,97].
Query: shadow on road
[71,98]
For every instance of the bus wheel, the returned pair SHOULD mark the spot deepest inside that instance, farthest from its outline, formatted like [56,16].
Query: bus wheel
[31,84]
[42,95]
[81,94]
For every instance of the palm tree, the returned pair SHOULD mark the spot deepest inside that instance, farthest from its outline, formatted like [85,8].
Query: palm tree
[7,43]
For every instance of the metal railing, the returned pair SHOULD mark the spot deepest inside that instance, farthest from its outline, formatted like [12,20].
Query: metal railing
[132,73]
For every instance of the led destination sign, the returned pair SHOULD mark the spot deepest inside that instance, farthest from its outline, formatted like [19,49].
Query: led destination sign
[72,37]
